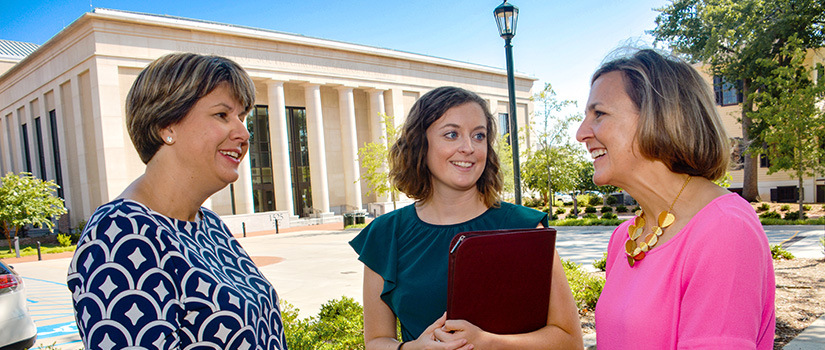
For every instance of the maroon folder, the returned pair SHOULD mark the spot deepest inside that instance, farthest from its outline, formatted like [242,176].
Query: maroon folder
[500,280]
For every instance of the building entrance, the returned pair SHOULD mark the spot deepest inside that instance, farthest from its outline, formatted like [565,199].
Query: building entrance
[260,160]
[299,160]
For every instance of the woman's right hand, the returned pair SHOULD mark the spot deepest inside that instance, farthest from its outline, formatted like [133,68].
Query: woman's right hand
[428,341]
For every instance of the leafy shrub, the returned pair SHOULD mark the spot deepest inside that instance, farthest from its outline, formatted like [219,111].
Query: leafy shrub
[778,253]
[822,243]
[806,207]
[621,209]
[338,326]
[533,202]
[794,215]
[590,209]
[560,211]
[606,209]
[601,264]
[763,207]
[636,208]
[586,288]
[583,199]
[785,207]
[588,222]
[64,240]
[770,215]
[554,217]
[609,216]
[589,216]
[611,200]
[595,200]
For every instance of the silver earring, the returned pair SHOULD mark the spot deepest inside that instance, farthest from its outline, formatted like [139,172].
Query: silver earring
[169,139]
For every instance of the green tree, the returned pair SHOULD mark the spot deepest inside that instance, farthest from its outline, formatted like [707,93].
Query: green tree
[552,169]
[26,200]
[374,158]
[505,161]
[584,182]
[787,102]
[554,163]
[730,37]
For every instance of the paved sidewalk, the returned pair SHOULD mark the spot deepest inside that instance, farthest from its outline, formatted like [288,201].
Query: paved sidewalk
[812,338]
[313,264]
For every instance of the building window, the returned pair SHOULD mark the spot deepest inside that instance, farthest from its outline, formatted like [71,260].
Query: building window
[58,173]
[27,159]
[737,154]
[41,157]
[726,93]
[504,125]
[263,190]
[764,161]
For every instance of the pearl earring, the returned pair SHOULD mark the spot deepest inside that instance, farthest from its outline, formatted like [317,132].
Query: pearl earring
[169,139]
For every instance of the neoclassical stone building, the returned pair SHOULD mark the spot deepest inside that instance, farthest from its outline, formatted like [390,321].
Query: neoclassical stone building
[318,101]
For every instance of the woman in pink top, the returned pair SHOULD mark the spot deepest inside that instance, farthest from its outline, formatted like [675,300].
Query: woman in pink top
[693,269]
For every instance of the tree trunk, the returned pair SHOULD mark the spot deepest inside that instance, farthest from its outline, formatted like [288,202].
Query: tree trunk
[575,207]
[801,197]
[799,173]
[8,233]
[550,200]
[750,183]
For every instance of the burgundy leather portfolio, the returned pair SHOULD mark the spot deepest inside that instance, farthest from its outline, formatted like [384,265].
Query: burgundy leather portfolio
[500,280]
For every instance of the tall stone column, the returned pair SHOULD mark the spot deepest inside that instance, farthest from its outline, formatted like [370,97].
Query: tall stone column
[46,137]
[279,136]
[317,149]
[5,157]
[80,147]
[378,130]
[243,188]
[61,142]
[349,146]
[26,116]
[16,142]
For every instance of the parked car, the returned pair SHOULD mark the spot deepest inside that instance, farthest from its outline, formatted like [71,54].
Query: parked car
[17,330]
[564,197]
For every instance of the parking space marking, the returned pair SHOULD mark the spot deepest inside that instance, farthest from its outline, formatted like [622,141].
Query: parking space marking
[50,306]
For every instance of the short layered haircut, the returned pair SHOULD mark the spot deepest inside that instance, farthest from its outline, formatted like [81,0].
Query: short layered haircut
[167,89]
[679,124]
[408,155]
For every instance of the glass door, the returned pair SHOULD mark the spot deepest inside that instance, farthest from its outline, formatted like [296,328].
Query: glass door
[299,159]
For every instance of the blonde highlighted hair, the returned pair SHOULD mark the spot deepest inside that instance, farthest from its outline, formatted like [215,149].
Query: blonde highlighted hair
[678,120]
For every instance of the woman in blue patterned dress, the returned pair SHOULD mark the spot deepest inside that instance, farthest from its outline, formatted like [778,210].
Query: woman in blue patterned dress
[153,268]
[445,160]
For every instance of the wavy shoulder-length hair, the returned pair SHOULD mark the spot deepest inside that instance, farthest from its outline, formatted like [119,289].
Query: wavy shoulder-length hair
[408,156]
[679,124]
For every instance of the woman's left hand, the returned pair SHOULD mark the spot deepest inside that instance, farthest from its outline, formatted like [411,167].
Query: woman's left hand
[461,329]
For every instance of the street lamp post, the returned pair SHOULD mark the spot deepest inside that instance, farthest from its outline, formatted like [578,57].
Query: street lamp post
[506,18]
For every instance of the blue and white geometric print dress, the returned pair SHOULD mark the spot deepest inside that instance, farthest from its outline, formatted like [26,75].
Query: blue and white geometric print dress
[140,279]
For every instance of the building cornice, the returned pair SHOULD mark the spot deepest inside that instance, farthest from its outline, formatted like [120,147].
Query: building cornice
[257,33]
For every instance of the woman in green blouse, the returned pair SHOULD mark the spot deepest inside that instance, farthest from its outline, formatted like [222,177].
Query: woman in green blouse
[444,159]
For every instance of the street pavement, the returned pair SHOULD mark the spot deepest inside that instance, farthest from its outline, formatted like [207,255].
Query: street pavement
[318,265]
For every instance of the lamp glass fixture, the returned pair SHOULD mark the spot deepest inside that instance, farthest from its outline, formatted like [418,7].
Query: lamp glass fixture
[506,18]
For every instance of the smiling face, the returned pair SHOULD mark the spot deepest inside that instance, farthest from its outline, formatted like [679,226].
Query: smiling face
[609,130]
[457,148]
[210,141]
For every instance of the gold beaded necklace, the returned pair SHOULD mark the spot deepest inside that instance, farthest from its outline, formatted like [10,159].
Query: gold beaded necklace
[666,218]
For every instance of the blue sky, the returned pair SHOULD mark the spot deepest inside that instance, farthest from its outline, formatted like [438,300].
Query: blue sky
[561,42]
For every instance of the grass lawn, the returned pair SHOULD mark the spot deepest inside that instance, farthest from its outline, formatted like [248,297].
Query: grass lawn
[32,250]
